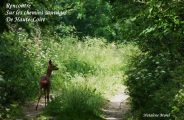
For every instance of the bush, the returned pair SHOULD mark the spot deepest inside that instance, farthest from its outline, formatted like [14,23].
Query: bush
[149,80]
[17,69]
[77,101]
[178,106]
[178,100]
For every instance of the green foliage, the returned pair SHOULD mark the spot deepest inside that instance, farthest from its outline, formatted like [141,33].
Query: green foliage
[18,72]
[13,111]
[27,47]
[74,66]
[77,101]
[177,109]
[93,62]
[90,18]
[158,31]
[154,74]
[81,18]
[177,104]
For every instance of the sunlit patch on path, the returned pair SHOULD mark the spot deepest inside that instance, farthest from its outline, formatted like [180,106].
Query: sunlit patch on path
[117,107]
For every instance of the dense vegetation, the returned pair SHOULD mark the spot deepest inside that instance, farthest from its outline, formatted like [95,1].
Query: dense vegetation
[154,79]
[97,45]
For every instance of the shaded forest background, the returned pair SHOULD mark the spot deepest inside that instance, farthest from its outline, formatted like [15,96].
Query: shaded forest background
[149,35]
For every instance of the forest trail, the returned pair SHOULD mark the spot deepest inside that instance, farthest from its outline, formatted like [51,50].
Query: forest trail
[117,107]
[30,109]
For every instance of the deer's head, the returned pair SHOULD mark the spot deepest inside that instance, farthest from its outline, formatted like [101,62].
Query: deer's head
[52,66]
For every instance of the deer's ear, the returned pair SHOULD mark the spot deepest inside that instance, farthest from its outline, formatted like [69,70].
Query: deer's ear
[50,62]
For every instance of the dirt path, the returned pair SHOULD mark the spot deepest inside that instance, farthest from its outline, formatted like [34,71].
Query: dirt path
[30,112]
[117,107]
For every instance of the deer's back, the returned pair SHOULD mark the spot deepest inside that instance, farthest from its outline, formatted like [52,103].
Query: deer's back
[44,82]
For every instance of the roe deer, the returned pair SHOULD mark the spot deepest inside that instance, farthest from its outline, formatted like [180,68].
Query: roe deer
[45,82]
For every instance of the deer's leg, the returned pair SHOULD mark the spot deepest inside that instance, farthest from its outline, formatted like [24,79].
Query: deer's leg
[39,98]
[45,93]
[48,92]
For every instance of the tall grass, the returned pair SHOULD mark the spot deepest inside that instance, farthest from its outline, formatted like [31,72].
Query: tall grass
[99,63]
[76,101]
